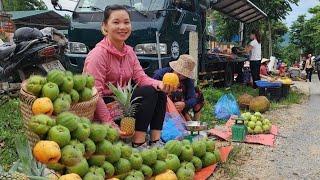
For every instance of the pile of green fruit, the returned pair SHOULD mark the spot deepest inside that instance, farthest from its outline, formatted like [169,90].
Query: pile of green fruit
[62,88]
[185,158]
[256,123]
[93,151]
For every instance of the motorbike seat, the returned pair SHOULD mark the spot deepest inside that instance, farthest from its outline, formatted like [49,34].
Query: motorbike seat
[6,51]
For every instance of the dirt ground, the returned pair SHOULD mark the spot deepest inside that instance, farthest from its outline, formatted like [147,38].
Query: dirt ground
[296,154]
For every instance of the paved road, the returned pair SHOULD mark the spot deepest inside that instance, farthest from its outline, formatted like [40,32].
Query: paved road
[297,152]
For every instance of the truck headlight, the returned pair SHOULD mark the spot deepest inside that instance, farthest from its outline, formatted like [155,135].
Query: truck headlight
[77,47]
[150,48]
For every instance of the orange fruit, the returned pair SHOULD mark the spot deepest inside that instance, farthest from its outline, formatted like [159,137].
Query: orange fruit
[171,79]
[42,106]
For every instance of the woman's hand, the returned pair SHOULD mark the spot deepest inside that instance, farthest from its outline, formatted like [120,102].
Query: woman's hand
[180,105]
[166,88]
[123,135]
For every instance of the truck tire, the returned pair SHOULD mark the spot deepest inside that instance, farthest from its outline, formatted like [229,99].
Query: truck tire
[228,75]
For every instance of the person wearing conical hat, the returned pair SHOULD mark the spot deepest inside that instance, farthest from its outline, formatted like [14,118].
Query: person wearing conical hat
[187,97]
[264,73]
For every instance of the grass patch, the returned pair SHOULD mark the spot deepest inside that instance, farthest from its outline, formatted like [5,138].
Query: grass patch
[10,127]
[231,168]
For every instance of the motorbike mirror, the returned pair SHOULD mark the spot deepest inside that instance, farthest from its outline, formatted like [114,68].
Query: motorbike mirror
[58,7]
[56,4]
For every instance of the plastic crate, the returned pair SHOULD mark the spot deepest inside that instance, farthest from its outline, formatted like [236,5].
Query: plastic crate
[272,93]
[285,90]
[267,84]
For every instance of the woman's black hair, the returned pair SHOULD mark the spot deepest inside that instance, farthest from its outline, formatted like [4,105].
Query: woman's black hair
[108,10]
[257,34]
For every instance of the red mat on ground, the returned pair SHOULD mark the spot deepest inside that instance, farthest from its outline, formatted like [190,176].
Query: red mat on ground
[264,139]
[205,173]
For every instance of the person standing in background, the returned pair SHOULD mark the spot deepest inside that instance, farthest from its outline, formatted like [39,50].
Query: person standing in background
[254,49]
[309,67]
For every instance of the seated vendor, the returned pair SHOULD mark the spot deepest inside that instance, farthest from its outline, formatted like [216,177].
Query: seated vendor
[264,75]
[187,96]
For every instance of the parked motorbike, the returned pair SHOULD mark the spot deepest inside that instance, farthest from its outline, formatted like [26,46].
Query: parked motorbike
[33,52]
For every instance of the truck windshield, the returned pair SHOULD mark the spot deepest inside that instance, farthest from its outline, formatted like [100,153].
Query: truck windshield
[139,5]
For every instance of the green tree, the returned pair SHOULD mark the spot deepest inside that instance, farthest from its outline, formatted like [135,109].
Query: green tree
[305,34]
[23,5]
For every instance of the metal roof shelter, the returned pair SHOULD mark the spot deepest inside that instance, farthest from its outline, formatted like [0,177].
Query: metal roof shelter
[39,19]
[242,10]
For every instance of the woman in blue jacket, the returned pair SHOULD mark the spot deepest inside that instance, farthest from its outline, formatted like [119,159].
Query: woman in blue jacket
[187,96]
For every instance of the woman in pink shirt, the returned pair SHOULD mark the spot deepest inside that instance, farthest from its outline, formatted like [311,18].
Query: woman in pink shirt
[114,61]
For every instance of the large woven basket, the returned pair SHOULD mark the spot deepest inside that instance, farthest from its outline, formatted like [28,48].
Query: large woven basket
[82,109]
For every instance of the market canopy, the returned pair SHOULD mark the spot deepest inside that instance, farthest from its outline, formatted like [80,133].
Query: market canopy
[242,10]
[39,19]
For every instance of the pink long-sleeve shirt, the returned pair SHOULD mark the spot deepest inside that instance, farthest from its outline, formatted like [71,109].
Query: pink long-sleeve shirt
[107,64]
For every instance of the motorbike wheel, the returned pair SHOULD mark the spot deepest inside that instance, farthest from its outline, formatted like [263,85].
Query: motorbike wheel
[25,74]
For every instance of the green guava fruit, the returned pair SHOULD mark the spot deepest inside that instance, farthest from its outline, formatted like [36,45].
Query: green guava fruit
[75,97]
[208,159]
[40,124]
[79,82]
[149,156]
[185,173]
[126,151]
[159,167]
[186,153]
[82,132]
[188,165]
[67,84]
[81,168]
[96,160]
[197,163]
[211,145]
[90,147]
[114,154]
[71,155]
[122,166]
[174,147]
[85,94]
[146,170]
[97,170]
[56,76]
[97,132]
[172,162]
[68,120]
[60,135]
[92,176]
[90,81]
[199,148]
[108,169]
[50,90]
[112,135]
[136,161]
[104,147]
[78,145]
[161,153]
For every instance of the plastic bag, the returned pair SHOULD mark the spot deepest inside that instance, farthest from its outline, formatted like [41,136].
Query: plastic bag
[173,127]
[226,106]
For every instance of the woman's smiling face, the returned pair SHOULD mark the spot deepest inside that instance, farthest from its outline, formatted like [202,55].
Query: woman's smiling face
[118,26]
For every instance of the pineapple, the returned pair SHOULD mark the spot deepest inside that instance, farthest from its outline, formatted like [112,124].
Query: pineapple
[129,107]
[13,176]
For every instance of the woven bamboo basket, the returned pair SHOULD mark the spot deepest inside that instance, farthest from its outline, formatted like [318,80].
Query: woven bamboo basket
[81,109]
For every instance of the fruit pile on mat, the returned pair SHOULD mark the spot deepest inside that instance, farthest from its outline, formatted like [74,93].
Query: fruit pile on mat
[256,123]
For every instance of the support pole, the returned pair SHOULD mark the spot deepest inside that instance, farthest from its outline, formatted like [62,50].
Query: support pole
[193,51]
[158,49]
